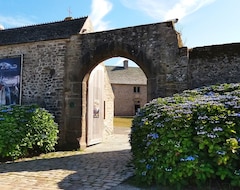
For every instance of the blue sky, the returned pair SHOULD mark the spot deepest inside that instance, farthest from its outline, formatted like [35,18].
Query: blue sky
[201,22]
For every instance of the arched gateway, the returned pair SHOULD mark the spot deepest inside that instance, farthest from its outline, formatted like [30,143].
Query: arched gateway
[50,64]
[156,48]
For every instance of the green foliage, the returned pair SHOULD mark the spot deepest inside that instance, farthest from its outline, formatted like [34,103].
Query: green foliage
[25,130]
[190,138]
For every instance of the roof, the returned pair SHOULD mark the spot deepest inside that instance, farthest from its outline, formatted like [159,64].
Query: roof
[130,75]
[49,31]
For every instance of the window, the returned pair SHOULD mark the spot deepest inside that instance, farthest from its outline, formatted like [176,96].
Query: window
[136,89]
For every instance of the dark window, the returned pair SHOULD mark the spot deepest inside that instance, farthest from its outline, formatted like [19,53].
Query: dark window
[136,89]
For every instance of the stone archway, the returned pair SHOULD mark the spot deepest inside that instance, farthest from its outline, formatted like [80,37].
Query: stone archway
[155,48]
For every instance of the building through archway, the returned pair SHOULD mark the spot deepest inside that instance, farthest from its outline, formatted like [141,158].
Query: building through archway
[129,85]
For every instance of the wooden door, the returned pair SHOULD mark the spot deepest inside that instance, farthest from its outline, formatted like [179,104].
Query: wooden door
[95,105]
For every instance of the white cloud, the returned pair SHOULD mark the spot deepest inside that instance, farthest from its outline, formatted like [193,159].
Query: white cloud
[166,10]
[1,27]
[17,21]
[153,8]
[100,8]
[185,7]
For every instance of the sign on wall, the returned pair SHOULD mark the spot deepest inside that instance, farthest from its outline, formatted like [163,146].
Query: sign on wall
[10,80]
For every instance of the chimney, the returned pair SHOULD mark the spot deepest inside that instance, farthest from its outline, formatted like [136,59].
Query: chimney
[68,18]
[125,64]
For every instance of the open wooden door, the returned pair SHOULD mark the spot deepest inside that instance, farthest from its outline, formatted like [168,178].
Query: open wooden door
[95,105]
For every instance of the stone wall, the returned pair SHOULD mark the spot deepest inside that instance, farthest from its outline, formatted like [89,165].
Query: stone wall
[154,47]
[109,106]
[42,73]
[214,64]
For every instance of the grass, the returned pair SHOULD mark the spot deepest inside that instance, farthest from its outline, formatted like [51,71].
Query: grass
[122,121]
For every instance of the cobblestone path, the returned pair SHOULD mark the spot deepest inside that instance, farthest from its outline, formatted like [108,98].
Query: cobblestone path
[102,166]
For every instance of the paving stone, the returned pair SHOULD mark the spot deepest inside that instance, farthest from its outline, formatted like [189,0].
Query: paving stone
[102,166]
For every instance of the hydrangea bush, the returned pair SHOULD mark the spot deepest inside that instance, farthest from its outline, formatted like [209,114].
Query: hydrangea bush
[190,138]
[26,130]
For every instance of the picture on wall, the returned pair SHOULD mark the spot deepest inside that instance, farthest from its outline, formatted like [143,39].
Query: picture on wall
[10,80]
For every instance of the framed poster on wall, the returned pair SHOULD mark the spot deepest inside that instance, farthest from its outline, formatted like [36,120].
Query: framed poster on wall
[10,80]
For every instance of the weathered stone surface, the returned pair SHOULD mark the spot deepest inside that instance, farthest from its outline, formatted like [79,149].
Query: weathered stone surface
[214,64]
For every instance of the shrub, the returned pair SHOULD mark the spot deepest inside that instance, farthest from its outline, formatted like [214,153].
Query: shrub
[190,138]
[25,130]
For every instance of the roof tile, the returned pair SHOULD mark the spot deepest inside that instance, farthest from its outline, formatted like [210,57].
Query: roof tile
[121,75]
[42,32]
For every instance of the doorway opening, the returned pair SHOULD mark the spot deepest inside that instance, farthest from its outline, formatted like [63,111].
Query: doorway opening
[137,107]
[116,90]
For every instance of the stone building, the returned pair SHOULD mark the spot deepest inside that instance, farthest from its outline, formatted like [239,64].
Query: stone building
[44,49]
[129,86]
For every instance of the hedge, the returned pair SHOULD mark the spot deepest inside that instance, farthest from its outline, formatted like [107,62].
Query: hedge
[190,138]
[26,130]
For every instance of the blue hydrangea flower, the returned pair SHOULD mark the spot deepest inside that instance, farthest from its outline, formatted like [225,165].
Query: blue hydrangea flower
[153,135]
[189,158]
